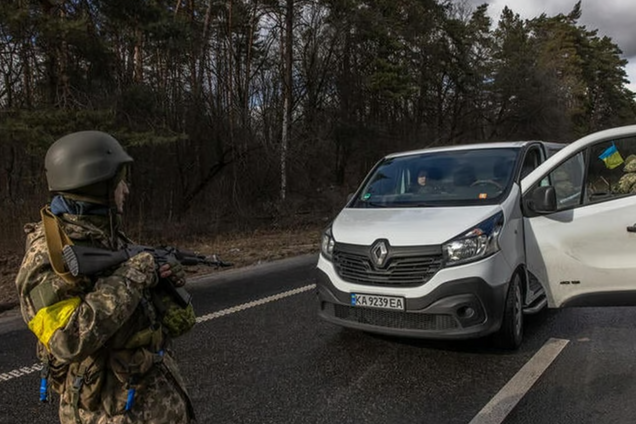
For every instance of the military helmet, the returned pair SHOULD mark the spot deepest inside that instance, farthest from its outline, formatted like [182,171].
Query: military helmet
[82,159]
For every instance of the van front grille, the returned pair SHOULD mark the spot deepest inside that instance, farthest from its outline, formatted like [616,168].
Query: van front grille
[405,267]
[394,319]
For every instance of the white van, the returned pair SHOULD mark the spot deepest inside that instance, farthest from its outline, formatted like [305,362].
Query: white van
[459,242]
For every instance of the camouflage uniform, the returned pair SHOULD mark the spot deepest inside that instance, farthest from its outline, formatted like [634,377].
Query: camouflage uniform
[100,337]
[95,341]
[627,183]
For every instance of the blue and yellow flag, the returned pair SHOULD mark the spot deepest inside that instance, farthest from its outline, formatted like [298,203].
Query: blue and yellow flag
[611,157]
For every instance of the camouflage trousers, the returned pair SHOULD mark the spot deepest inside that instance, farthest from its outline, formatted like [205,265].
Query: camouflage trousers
[160,398]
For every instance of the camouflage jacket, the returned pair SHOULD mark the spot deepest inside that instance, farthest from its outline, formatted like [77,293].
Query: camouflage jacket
[91,334]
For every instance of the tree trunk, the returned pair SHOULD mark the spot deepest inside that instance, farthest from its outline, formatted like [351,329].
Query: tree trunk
[138,75]
[248,70]
[287,102]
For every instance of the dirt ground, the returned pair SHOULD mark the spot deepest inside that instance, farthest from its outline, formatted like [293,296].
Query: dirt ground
[241,250]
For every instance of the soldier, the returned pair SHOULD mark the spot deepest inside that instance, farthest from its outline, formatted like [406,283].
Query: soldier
[102,339]
[627,183]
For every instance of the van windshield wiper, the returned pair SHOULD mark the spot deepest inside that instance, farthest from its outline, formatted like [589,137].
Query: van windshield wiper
[375,204]
[408,205]
[367,204]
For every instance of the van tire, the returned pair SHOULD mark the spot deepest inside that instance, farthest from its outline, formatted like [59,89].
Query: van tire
[510,335]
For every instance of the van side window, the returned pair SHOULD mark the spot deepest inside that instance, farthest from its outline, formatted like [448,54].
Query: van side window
[530,162]
[612,170]
[567,180]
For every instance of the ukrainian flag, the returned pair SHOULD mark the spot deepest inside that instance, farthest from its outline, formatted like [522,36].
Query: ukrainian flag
[611,157]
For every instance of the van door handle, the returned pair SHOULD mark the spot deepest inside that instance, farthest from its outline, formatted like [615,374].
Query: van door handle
[631,229]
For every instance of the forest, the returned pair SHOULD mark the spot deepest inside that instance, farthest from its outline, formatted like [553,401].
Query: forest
[249,113]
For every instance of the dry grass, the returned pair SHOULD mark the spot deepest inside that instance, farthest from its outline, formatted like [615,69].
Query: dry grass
[239,249]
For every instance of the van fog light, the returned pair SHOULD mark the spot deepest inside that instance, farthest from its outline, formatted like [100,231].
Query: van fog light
[465,312]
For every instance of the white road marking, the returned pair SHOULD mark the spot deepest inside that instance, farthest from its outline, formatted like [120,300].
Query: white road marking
[259,302]
[496,411]
[21,372]
[6,376]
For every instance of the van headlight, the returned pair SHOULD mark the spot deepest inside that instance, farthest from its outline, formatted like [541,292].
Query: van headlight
[478,243]
[327,244]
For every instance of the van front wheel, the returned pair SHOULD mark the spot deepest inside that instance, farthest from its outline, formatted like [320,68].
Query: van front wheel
[510,334]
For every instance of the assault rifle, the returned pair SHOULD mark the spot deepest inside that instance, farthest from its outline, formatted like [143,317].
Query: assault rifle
[86,260]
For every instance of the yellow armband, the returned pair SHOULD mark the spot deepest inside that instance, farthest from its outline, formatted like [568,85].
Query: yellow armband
[51,318]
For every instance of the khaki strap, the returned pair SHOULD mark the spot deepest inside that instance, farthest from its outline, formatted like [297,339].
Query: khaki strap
[56,239]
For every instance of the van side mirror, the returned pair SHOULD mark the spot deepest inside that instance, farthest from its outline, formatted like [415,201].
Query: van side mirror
[543,200]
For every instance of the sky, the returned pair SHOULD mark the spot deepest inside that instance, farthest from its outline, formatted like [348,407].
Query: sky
[613,18]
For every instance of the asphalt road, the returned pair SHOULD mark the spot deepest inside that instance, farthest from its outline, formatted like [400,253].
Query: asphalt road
[260,355]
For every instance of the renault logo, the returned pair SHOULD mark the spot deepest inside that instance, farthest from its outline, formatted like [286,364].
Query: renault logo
[379,253]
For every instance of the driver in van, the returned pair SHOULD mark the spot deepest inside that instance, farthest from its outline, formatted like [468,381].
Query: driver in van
[428,180]
[421,178]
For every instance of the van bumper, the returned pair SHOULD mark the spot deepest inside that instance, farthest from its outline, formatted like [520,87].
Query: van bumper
[460,309]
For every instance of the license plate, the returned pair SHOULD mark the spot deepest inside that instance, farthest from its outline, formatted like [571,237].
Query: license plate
[377,301]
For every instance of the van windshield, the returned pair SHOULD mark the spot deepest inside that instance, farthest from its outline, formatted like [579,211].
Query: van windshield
[448,178]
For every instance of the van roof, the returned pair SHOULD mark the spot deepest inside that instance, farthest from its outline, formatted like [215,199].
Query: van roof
[478,146]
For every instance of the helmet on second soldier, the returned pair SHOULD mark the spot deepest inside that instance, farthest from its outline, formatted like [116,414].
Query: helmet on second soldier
[83,161]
